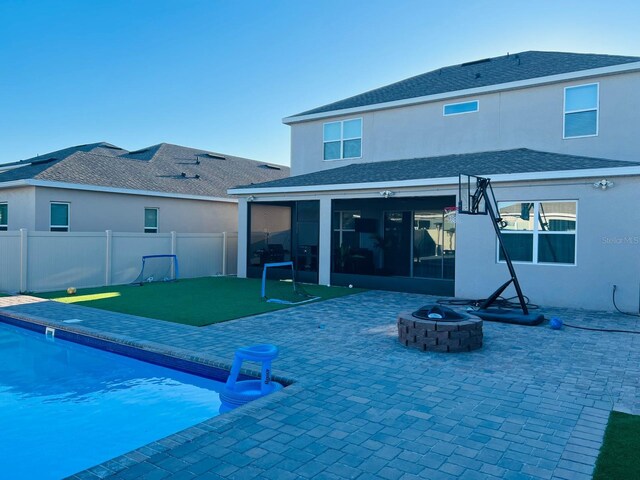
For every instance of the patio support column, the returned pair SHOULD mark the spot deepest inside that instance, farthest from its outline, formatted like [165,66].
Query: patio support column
[243,229]
[324,250]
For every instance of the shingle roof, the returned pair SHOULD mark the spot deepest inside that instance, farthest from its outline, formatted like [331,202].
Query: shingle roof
[481,73]
[158,168]
[519,160]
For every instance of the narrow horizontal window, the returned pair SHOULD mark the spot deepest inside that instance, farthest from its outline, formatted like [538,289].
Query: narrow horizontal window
[457,108]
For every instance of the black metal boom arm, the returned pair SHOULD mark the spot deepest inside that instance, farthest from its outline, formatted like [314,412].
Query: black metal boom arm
[484,191]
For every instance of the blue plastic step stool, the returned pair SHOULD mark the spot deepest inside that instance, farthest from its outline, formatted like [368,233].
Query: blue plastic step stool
[237,393]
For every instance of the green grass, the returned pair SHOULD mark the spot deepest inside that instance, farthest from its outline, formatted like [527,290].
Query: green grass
[620,454]
[198,302]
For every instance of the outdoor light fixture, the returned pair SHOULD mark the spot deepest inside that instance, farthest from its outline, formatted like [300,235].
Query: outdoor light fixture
[251,198]
[387,193]
[603,184]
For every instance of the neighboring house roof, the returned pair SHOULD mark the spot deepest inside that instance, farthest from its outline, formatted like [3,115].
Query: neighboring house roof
[521,160]
[160,168]
[480,73]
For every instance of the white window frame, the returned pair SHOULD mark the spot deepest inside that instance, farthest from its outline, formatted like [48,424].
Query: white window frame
[68,225]
[340,228]
[144,220]
[444,108]
[5,226]
[536,232]
[342,139]
[596,109]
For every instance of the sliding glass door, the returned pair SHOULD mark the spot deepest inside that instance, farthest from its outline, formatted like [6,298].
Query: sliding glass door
[434,244]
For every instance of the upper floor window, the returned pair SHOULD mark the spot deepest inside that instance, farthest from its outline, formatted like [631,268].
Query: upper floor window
[343,139]
[458,108]
[539,232]
[59,218]
[4,216]
[581,111]
[150,220]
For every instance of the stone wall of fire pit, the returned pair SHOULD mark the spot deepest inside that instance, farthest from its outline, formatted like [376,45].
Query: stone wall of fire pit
[439,336]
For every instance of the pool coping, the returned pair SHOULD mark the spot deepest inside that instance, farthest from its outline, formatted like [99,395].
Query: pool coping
[173,358]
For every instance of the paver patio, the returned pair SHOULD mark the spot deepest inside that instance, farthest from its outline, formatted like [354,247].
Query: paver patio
[532,403]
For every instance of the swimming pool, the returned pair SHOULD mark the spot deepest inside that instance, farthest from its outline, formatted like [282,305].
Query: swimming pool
[66,407]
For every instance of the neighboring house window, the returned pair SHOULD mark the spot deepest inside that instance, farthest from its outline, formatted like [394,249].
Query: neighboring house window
[458,108]
[150,220]
[59,217]
[343,139]
[4,216]
[581,111]
[344,229]
[539,232]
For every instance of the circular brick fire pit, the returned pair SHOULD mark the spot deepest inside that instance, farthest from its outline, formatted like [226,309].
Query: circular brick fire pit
[439,335]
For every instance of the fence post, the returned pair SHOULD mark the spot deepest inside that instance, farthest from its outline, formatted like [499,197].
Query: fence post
[224,253]
[24,257]
[174,239]
[107,259]
[243,237]
[174,249]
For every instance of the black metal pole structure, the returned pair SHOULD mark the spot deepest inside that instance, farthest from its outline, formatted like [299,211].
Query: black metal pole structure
[484,185]
[481,202]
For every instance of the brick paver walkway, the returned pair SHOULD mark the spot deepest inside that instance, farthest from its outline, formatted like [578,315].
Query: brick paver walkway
[532,403]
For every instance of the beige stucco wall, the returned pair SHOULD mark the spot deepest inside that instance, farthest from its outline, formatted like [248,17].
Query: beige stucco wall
[529,117]
[607,251]
[21,205]
[98,211]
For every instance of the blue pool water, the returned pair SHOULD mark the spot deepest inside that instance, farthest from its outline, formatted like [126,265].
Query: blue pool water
[65,407]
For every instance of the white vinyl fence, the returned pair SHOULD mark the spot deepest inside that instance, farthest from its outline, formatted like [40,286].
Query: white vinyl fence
[32,261]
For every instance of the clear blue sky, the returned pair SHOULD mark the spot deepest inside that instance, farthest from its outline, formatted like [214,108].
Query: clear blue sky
[221,75]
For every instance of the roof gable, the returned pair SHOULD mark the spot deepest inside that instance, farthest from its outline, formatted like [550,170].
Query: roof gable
[480,73]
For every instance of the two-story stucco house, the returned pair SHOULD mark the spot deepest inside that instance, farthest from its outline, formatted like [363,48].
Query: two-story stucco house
[375,183]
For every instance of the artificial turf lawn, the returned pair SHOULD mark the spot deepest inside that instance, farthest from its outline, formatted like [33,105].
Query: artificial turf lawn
[198,301]
[620,454]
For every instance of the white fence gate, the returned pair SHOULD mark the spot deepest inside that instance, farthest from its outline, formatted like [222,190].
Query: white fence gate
[44,261]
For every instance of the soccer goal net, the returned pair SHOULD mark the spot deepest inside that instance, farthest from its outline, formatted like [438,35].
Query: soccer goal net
[279,285]
[158,268]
